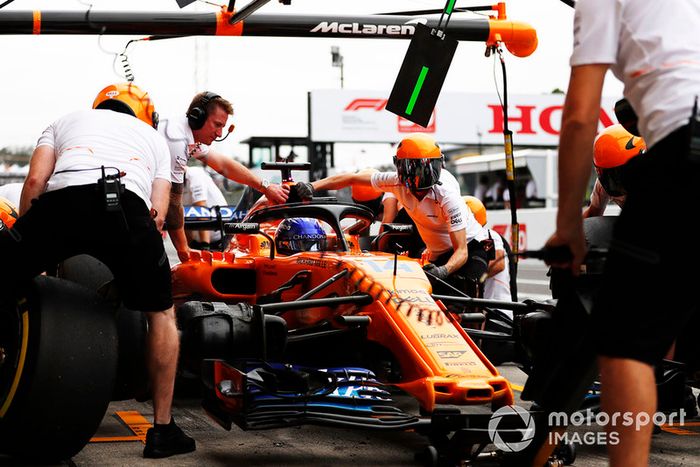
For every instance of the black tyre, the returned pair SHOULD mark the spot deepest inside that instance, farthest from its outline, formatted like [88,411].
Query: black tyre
[57,373]
[132,376]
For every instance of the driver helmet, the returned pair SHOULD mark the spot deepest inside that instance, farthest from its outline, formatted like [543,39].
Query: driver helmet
[477,208]
[129,99]
[299,234]
[612,149]
[418,162]
[8,213]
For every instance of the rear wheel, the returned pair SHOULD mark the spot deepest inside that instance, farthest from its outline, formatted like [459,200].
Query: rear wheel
[132,376]
[57,366]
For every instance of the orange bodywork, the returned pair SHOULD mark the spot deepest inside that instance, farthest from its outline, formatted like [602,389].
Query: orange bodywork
[439,363]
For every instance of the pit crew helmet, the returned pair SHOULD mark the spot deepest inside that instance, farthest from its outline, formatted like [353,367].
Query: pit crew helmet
[477,208]
[418,162]
[299,234]
[612,149]
[129,99]
[8,213]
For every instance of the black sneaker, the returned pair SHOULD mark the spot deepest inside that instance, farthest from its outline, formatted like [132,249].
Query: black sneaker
[167,440]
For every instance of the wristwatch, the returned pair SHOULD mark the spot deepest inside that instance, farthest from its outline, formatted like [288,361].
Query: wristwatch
[265,183]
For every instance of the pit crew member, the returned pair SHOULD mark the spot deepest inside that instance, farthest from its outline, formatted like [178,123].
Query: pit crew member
[498,280]
[200,190]
[116,138]
[653,48]
[432,199]
[190,136]
[613,148]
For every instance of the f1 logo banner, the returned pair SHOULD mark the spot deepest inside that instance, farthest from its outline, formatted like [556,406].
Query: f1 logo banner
[421,76]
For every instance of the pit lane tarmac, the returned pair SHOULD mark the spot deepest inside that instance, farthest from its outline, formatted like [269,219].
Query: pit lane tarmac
[119,441]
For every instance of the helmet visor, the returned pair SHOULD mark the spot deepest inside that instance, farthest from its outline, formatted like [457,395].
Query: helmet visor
[302,242]
[419,174]
[612,180]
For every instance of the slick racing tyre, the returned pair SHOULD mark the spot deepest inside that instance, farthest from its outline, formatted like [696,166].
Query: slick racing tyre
[132,376]
[57,365]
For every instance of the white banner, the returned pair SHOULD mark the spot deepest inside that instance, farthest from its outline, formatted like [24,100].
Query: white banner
[459,118]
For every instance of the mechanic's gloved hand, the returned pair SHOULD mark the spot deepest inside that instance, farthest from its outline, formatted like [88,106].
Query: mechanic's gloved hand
[438,271]
[304,190]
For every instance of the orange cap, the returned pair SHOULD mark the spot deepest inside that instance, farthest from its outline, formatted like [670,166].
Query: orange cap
[418,146]
[133,97]
[477,208]
[614,146]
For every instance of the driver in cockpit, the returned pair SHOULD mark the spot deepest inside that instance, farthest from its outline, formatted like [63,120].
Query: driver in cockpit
[298,234]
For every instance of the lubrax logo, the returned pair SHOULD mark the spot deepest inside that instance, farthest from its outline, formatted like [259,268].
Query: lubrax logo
[365,29]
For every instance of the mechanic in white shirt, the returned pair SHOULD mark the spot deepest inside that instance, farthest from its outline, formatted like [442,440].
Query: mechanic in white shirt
[200,190]
[12,192]
[497,283]
[190,136]
[66,211]
[653,47]
[613,148]
[431,197]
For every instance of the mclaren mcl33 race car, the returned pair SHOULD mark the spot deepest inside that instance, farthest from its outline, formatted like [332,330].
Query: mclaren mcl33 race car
[302,320]
[299,320]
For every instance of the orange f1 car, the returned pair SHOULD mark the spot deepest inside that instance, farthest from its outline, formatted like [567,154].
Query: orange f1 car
[294,323]
[338,289]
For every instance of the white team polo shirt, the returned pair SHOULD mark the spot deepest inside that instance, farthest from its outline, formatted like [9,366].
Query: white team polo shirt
[88,139]
[199,186]
[178,135]
[653,47]
[497,287]
[12,192]
[441,211]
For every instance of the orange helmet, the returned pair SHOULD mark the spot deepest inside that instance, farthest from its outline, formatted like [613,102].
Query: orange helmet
[418,161]
[363,193]
[8,213]
[477,208]
[127,98]
[612,149]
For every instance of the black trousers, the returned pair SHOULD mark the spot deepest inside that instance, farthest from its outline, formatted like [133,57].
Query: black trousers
[73,221]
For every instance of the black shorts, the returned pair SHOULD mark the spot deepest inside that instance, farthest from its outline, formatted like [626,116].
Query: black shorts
[72,221]
[649,289]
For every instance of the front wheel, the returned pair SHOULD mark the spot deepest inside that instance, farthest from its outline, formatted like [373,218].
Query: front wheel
[58,358]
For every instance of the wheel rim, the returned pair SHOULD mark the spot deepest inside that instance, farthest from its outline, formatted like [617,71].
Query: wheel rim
[14,333]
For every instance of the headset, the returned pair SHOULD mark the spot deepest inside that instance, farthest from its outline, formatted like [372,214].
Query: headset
[197,116]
